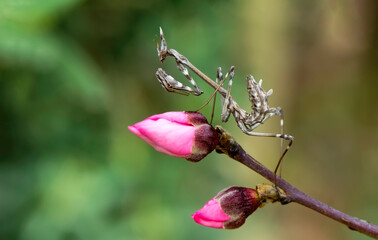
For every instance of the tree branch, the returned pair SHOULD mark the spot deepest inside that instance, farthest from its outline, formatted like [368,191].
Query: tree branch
[229,146]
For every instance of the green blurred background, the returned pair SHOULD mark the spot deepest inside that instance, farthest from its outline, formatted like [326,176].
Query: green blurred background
[74,74]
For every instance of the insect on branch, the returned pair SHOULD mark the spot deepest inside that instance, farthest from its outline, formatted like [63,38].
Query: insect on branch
[258,97]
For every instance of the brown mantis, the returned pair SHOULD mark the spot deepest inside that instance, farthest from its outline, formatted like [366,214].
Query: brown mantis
[247,122]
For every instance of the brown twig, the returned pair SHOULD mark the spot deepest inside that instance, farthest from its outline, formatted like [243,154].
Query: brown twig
[229,146]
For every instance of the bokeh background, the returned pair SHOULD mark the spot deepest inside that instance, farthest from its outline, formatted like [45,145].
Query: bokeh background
[74,74]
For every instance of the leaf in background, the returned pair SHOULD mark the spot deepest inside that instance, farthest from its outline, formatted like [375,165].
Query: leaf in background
[47,53]
[33,13]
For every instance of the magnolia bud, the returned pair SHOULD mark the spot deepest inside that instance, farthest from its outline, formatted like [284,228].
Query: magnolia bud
[229,208]
[179,134]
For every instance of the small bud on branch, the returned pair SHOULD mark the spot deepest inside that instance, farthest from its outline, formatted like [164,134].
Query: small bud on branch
[229,208]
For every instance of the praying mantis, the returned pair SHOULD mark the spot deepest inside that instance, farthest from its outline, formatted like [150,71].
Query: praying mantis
[247,122]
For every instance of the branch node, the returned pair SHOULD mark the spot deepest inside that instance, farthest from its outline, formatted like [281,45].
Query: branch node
[227,144]
[270,193]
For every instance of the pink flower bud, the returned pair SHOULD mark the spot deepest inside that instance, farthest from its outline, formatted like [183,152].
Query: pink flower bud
[229,208]
[179,134]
